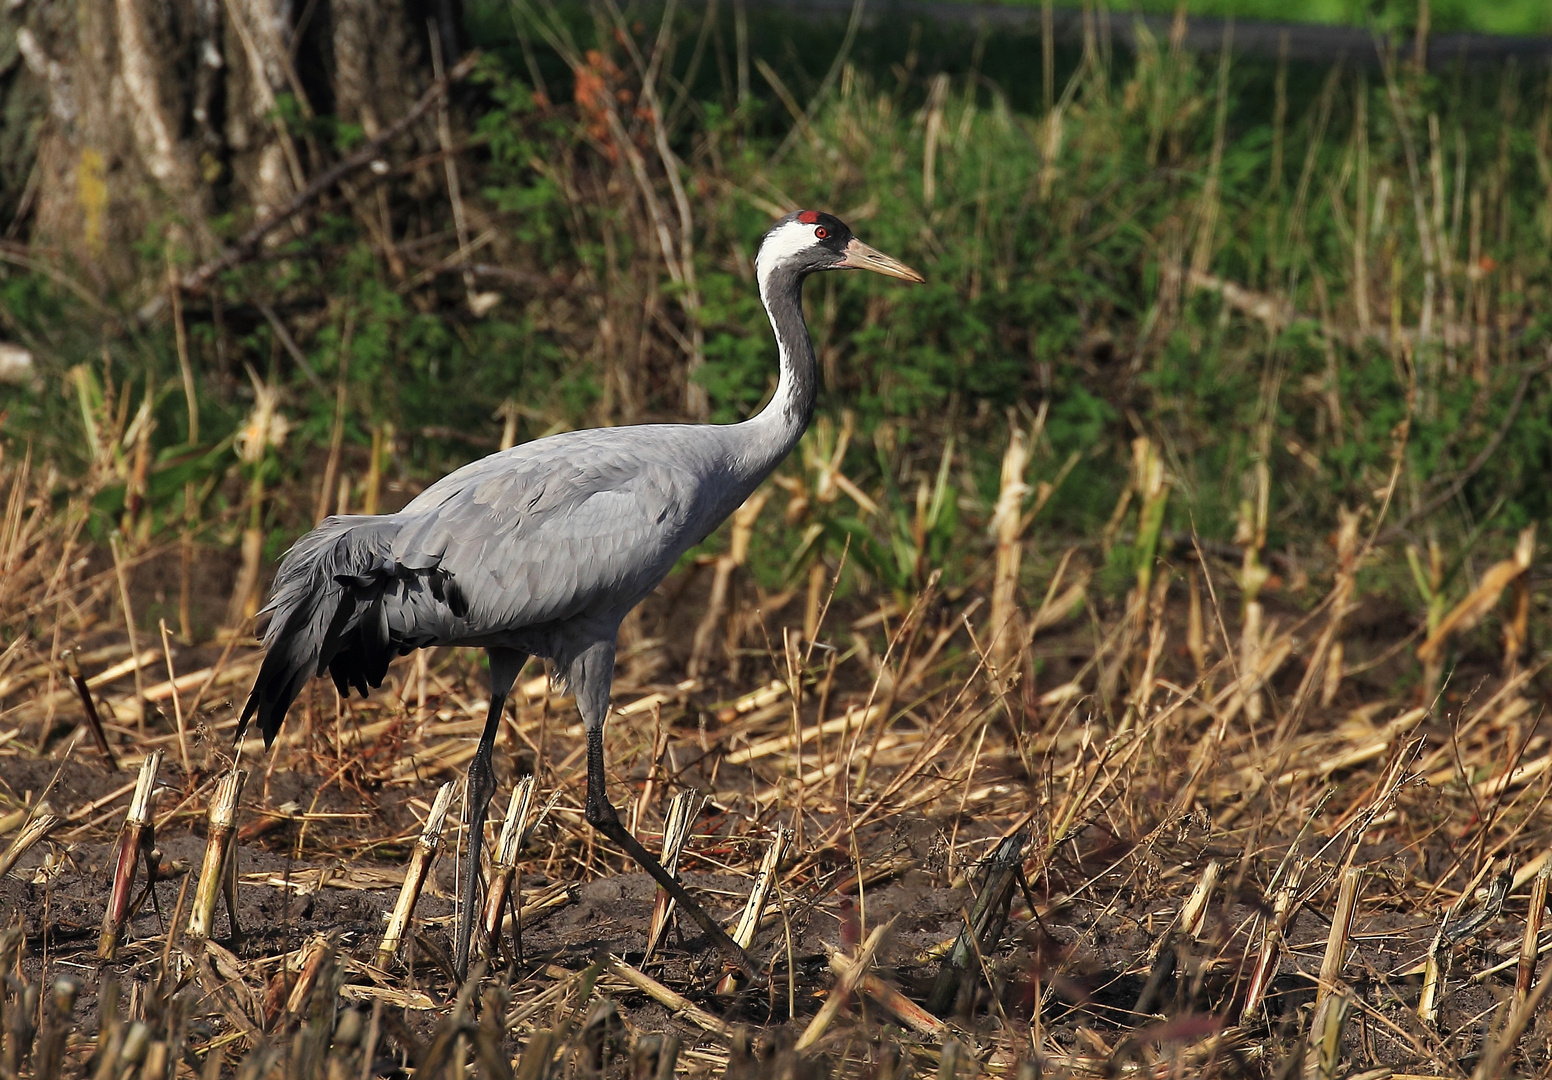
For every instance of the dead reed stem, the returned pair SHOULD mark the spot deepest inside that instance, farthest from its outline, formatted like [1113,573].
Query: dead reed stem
[177,703]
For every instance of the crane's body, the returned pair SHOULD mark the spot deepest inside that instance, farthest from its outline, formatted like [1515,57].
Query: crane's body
[542,549]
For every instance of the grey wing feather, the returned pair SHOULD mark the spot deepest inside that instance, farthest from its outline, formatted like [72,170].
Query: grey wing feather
[327,611]
[536,545]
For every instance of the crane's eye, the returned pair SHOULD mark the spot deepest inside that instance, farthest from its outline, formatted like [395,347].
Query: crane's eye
[821,233]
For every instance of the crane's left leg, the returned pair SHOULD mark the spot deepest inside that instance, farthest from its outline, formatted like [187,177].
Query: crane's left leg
[591,675]
[505,664]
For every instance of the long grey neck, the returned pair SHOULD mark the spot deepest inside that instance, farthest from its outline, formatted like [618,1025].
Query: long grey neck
[768,437]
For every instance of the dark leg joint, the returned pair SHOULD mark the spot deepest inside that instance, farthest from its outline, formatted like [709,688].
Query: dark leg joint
[600,812]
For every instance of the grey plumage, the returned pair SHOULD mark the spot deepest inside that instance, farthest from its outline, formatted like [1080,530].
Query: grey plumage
[543,549]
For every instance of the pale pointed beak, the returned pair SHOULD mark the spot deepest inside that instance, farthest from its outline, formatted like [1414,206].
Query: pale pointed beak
[861,257]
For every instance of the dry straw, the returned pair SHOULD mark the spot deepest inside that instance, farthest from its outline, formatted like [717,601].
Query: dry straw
[1141,757]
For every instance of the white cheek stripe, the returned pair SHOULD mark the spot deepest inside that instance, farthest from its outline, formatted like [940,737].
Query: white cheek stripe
[781,244]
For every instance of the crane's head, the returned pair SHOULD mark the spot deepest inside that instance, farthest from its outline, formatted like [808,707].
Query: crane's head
[809,241]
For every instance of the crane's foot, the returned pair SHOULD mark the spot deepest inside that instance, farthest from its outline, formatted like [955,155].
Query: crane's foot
[601,816]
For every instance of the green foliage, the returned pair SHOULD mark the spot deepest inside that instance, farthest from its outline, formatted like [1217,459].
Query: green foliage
[1527,17]
[916,534]
[1059,249]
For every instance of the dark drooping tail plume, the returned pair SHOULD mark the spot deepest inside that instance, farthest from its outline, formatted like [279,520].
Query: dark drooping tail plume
[342,602]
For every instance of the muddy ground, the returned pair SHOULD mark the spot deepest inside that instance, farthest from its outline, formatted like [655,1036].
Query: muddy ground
[1097,957]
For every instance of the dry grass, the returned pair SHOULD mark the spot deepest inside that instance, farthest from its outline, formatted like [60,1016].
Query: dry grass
[1195,830]
[1198,855]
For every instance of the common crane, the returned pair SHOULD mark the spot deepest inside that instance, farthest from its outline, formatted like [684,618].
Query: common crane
[541,550]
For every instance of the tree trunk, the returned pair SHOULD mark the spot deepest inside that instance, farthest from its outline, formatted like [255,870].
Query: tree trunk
[123,121]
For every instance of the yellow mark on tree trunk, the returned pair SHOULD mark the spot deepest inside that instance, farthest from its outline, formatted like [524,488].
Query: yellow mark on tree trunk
[92,194]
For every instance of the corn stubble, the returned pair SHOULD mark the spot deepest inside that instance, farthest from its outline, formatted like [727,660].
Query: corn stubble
[1234,832]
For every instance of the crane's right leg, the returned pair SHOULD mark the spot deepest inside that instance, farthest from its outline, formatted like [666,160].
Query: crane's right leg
[505,665]
[590,678]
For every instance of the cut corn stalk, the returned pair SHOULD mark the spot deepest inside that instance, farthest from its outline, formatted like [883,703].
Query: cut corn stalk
[219,868]
[1529,946]
[1331,1007]
[1250,534]
[135,842]
[421,858]
[58,1019]
[1341,603]
[1490,1065]
[654,1057]
[315,955]
[1271,948]
[1005,528]
[985,923]
[1454,929]
[911,1014]
[1327,1059]
[110,1031]
[1193,915]
[1153,488]
[683,809]
[504,870]
[1196,631]
[266,428]
[856,968]
[950,1058]
[40,825]
[749,921]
